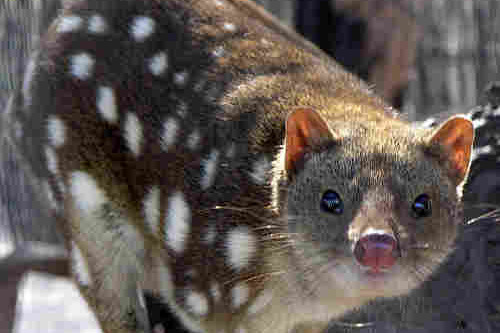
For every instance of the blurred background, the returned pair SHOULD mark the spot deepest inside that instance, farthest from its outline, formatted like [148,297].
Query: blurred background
[425,57]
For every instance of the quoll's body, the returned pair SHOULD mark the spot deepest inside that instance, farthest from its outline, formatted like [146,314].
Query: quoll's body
[199,150]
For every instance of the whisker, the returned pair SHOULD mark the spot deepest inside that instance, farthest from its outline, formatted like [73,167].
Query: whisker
[275,240]
[495,213]
[349,325]
[268,227]
[255,277]
[281,245]
[245,210]
[427,246]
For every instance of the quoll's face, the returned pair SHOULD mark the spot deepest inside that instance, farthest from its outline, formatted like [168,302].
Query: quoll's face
[370,224]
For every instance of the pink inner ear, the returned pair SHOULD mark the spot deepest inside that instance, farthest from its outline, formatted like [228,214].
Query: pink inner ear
[305,129]
[457,137]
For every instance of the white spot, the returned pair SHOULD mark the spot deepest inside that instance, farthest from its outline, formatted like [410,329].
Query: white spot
[159,328]
[50,195]
[218,3]
[69,24]
[152,208]
[79,266]
[218,51]
[260,302]
[133,133]
[52,164]
[142,27]
[82,66]
[215,291]
[193,139]
[209,169]
[478,152]
[261,170]
[239,295]
[6,249]
[158,64]
[169,135]
[106,104]
[28,78]
[178,222]
[140,296]
[56,131]
[229,27]
[180,78]
[241,247]
[478,122]
[87,195]
[97,24]
[197,303]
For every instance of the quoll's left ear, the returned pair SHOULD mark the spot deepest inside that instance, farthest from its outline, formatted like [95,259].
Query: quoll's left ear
[455,138]
[305,129]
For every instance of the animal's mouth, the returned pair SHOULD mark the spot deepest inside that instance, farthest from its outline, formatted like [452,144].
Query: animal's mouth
[377,272]
[375,279]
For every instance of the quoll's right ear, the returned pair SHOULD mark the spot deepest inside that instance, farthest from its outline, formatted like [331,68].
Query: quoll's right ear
[305,130]
[454,140]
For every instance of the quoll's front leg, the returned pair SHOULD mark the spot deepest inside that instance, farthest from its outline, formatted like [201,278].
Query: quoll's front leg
[107,257]
[123,310]
[134,320]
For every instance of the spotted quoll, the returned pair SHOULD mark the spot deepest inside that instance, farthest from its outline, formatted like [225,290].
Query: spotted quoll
[199,150]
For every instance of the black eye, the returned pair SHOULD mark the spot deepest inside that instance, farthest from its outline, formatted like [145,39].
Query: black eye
[422,206]
[331,203]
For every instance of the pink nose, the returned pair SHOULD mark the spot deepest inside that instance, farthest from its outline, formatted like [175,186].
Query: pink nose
[376,251]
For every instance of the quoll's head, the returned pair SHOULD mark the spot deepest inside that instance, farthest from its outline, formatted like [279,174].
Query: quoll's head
[372,213]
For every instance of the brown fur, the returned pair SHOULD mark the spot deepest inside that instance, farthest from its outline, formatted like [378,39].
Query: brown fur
[240,101]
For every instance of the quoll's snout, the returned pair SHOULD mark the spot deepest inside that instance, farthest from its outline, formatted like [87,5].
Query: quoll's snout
[376,251]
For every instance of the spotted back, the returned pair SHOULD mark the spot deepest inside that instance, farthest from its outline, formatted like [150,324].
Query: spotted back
[159,181]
